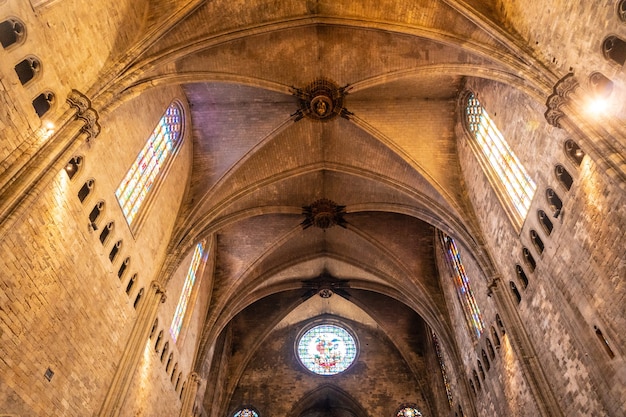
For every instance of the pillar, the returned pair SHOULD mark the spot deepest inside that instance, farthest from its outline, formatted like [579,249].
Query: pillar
[189,397]
[533,372]
[146,314]
[26,176]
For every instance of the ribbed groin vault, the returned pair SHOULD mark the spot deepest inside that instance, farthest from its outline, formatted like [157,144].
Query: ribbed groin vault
[312,208]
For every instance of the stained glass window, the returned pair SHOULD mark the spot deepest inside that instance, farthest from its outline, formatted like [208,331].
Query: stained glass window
[327,349]
[442,365]
[141,177]
[463,290]
[518,185]
[177,323]
[246,412]
[408,412]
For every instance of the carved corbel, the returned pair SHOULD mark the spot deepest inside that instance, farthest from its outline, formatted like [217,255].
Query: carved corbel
[560,96]
[158,288]
[85,112]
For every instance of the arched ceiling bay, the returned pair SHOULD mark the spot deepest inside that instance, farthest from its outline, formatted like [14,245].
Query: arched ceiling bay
[391,161]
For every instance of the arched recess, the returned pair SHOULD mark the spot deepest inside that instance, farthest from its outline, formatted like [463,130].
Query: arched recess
[403,335]
[325,401]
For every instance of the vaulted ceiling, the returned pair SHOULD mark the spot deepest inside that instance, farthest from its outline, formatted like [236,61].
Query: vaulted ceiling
[391,160]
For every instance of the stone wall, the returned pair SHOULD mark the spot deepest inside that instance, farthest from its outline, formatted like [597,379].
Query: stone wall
[582,263]
[64,306]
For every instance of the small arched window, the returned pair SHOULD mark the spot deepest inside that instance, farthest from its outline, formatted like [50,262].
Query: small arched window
[529,259]
[573,151]
[614,49]
[604,342]
[515,292]
[123,268]
[521,275]
[545,222]
[169,362]
[500,325]
[138,298]
[166,347]
[182,390]
[174,372]
[481,371]
[153,159]
[621,10]
[537,242]
[12,31]
[492,353]
[471,383]
[555,202]
[95,213]
[476,380]
[485,359]
[408,410]
[115,250]
[158,341]
[564,177]
[131,284]
[600,85]
[72,167]
[85,190]
[496,338]
[154,327]
[178,381]
[106,231]
[27,69]
[43,102]
[250,412]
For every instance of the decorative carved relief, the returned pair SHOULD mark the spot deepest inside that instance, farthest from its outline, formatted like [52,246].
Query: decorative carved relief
[85,112]
[324,214]
[321,100]
[559,97]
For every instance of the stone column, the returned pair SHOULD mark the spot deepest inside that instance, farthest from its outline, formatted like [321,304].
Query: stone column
[532,370]
[189,398]
[27,175]
[146,314]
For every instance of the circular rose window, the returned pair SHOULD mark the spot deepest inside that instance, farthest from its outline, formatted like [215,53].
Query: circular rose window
[327,349]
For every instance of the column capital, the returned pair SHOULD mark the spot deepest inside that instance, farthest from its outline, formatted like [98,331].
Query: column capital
[560,96]
[84,112]
[159,289]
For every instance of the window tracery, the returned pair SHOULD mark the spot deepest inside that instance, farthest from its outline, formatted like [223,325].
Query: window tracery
[198,257]
[152,159]
[461,282]
[499,162]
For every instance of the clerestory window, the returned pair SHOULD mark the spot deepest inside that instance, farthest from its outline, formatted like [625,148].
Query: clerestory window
[198,258]
[154,158]
[506,174]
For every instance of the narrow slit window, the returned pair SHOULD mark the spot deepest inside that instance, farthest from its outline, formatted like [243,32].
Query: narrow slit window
[461,282]
[442,365]
[199,256]
[152,159]
[515,186]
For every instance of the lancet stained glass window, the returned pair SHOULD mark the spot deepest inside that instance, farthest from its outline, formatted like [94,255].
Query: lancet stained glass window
[141,177]
[177,323]
[246,412]
[518,185]
[408,412]
[327,349]
[463,290]
[442,365]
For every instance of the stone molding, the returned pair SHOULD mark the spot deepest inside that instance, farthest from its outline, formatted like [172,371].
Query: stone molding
[560,97]
[85,112]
